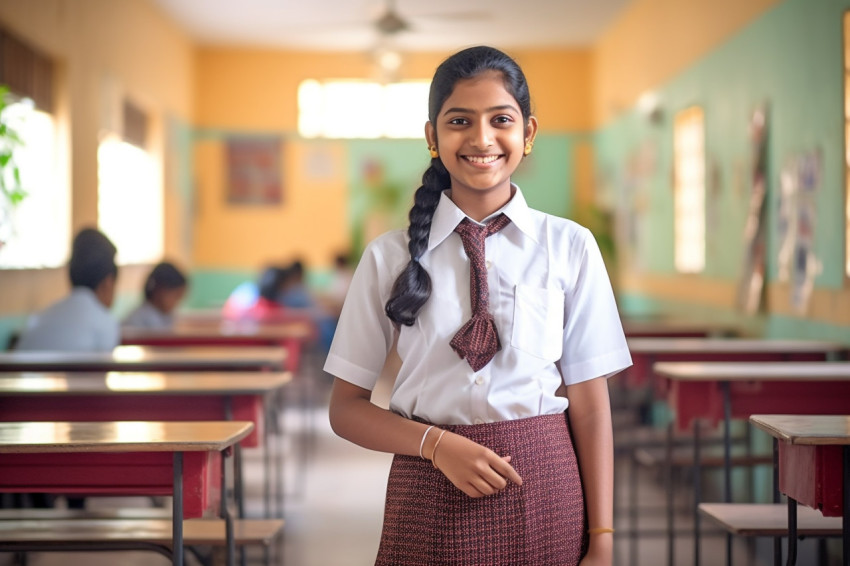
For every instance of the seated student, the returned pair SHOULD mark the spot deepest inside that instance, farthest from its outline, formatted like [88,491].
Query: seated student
[295,295]
[165,287]
[266,307]
[81,321]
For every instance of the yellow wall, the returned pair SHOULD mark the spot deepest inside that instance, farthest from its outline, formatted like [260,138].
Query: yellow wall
[255,91]
[652,40]
[129,43]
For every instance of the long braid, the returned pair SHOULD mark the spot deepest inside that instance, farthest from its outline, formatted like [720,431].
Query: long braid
[413,285]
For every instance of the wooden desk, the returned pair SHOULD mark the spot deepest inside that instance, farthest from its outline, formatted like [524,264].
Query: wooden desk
[289,335]
[647,351]
[142,358]
[125,458]
[128,396]
[813,457]
[711,391]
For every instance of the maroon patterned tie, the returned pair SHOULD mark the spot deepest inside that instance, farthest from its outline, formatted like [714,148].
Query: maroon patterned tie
[478,340]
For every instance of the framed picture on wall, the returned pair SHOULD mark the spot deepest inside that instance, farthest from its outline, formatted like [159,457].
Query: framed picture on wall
[254,170]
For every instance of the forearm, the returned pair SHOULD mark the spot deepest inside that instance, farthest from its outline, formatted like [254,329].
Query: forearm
[590,423]
[354,417]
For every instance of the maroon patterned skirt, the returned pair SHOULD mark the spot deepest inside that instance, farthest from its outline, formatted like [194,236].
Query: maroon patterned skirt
[428,520]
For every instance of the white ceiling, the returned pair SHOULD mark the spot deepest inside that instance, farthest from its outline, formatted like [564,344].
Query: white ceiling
[349,25]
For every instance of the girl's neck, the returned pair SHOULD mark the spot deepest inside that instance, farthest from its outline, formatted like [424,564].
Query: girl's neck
[479,205]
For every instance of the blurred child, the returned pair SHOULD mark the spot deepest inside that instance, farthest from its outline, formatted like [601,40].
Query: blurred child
[81,321]
[165,287]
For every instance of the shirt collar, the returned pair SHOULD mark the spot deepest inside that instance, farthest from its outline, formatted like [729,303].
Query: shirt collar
[447,216]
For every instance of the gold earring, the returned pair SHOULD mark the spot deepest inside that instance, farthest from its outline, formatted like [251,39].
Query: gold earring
[528,145]
[432,149]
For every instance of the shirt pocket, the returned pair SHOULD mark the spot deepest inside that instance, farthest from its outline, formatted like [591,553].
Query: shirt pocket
[538,327]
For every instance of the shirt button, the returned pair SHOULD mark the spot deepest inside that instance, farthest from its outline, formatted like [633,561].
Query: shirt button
[479,380]
[489,264]
[478,420]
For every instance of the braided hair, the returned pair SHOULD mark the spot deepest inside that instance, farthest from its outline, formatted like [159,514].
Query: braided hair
[412,288]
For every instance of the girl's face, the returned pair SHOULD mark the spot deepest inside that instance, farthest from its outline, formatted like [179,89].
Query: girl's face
[480,136]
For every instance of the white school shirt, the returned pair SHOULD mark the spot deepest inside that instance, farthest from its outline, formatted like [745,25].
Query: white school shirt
[77,323]
[149,317]
[549,295]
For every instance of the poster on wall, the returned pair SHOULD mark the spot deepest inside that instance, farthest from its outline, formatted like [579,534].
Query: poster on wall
[800,181]
[254,170]
[751,283]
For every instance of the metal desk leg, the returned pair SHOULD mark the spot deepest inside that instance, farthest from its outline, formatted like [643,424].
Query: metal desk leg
[225,511]
[697,490]
[668,473]
[177,511]
[727,459]
[792,531]
[267,466]
[846,518]
[777,541]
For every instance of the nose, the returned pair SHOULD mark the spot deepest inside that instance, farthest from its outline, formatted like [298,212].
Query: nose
[481,135]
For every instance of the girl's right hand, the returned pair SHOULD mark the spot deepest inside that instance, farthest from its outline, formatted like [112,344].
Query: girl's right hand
[474,469]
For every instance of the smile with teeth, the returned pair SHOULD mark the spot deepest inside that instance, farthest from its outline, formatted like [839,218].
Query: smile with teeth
[481,158]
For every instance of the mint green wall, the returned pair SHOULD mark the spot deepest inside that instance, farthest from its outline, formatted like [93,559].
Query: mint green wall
[791,58]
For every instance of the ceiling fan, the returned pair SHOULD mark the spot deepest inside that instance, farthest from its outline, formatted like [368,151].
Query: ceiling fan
[390,22]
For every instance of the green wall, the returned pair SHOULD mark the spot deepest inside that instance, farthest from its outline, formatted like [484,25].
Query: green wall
[790,59]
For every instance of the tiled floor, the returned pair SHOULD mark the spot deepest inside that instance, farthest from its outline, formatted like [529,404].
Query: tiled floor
[333,509]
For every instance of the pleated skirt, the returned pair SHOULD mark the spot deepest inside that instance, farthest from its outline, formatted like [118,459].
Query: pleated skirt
[429,521]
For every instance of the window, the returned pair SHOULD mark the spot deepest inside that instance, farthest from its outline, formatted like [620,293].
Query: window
[362,109]
[130,200]
[689,191]
[38,233]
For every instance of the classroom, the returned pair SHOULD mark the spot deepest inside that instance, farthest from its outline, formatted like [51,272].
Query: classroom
[242,158]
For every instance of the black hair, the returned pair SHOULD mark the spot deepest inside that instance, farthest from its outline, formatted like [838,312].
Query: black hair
[92,259]
[412,288]
[271,281]
[164,275]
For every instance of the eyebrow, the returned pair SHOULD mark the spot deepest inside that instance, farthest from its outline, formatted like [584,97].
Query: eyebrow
[491,109]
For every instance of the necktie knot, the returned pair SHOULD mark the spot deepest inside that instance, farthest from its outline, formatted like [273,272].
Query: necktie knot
[477,341]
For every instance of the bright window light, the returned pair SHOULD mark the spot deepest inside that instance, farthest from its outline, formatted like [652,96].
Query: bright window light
[689,191]
[39,233]
[362,109]
[130,201]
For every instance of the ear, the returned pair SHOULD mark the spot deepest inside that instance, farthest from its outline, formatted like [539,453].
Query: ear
[531,129]
[430,134]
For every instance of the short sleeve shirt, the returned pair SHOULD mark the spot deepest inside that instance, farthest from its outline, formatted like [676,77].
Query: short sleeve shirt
[550,297]
[148,316]
[77,323]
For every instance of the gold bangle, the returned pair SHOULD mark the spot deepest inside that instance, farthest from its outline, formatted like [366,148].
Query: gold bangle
[434,452]
[600,530]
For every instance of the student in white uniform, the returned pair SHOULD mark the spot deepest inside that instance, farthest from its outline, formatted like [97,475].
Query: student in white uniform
[165,287]
[81,322]
[494,344]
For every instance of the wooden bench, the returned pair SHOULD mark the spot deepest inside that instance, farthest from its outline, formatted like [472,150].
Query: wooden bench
[769,520]
[26,530]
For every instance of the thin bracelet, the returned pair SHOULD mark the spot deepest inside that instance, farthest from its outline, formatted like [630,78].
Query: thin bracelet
[600,530]
[424,436]
[436,444]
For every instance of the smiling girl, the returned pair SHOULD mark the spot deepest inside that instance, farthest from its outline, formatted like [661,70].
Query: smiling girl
[503,317]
